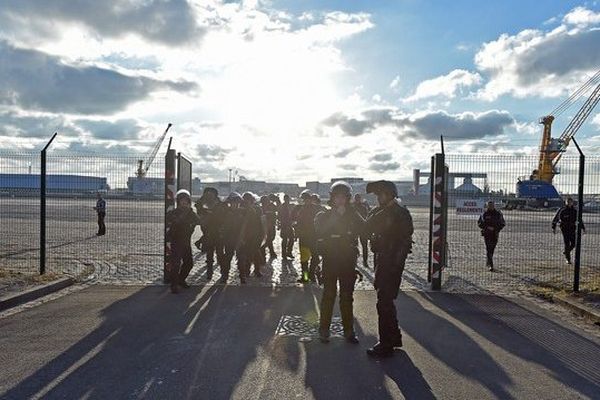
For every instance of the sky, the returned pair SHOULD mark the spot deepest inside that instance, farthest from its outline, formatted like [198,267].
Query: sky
[294,90]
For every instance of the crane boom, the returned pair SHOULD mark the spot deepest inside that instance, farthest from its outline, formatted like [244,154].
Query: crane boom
[551,149]
[141,170]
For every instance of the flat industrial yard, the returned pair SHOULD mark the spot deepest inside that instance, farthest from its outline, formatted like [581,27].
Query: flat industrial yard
[131,251]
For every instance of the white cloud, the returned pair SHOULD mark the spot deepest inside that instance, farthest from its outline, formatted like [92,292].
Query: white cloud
[446,85]
[542,63]
[395,83]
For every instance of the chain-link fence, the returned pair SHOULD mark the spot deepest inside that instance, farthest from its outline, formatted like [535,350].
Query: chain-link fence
[131,249]
[527,251]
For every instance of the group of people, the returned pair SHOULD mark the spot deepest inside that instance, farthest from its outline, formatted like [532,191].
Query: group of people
[328,237]
[491,222]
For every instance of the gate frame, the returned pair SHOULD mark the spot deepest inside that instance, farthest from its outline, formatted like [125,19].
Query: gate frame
[438,217]
[170,169]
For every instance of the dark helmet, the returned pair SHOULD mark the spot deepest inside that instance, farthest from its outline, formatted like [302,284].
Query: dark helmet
[316,198]
[264,199]
[382,186]
[234,197]
[305,194]
[182,193]
[341,187]
[273,197]
[249,197]
[209,189]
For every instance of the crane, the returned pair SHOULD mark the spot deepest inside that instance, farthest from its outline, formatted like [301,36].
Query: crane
[539,186]
[141,169]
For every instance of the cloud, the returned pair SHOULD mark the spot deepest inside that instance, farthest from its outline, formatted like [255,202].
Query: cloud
[14,124]
[542,63]
[382,157]
[34,80]
[211,153]
[167,22]
[122,129]
[428,125]
[345,152]
[384,166]
[446,85]
[395,83]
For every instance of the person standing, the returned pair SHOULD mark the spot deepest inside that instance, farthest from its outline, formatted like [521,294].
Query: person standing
[210,210]
[362,207]
[286,231]
[304,217]
[251,237]
[390,230]
[566,217]
[269,212]
[231,231]
[101,212]
[337,233]
[182,221]
[491,222]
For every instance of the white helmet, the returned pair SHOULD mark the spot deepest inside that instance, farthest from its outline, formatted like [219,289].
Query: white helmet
[182,192]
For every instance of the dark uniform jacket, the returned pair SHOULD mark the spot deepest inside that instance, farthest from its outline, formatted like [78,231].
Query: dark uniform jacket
[182,222]
[567,218]
[491,219]
[390,228]
[304,216]
[212,220]
[337,233]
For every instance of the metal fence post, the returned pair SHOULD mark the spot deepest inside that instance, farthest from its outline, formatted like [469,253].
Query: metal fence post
[438,229]
[43,207]
[431,190]
[169,206]
[580,187]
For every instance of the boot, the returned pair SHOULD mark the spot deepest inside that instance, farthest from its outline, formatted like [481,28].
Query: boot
[380,350]
[324,335]
[568,257]
[304,276]
[352,338]
[209,271]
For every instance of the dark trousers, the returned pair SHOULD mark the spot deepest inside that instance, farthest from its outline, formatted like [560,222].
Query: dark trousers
[101,226]
[248,254]
[364,243]
[269,242]
[388,276]
[225,263]
[181,263]
[212,248]
[287,240]
[334,271]
[491,240]
[569,239]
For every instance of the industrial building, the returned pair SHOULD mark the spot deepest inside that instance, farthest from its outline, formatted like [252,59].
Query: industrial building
[54,183]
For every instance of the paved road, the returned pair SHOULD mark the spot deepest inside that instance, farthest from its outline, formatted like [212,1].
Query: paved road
[220,342]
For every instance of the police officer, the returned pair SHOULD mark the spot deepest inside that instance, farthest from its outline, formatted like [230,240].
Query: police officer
[251,237]
[286,231]
[269,212]
[390,230]
[566,217]
[230,232]
[101,211]
[210,210]
[362,207]
[182,222]
[304,217]
[337,232]
[491,222]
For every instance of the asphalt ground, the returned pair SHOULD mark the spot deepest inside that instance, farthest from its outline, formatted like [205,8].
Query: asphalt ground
[221,342]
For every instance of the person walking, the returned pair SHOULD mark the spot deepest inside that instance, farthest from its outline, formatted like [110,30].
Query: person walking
[491,222]
[337,233]
[566,218]
[210,210]
[182,221]
[390,229]
[304,217]
[101,212]
[286,230]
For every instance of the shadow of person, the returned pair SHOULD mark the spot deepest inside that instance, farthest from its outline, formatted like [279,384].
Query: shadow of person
[134,350]
[451,346]
[407,377]
[573,359]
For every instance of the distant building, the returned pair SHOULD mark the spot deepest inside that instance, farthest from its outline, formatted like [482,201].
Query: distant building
[54,183]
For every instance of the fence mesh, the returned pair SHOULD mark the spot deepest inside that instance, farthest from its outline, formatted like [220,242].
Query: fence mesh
[527,252]
[19,212]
